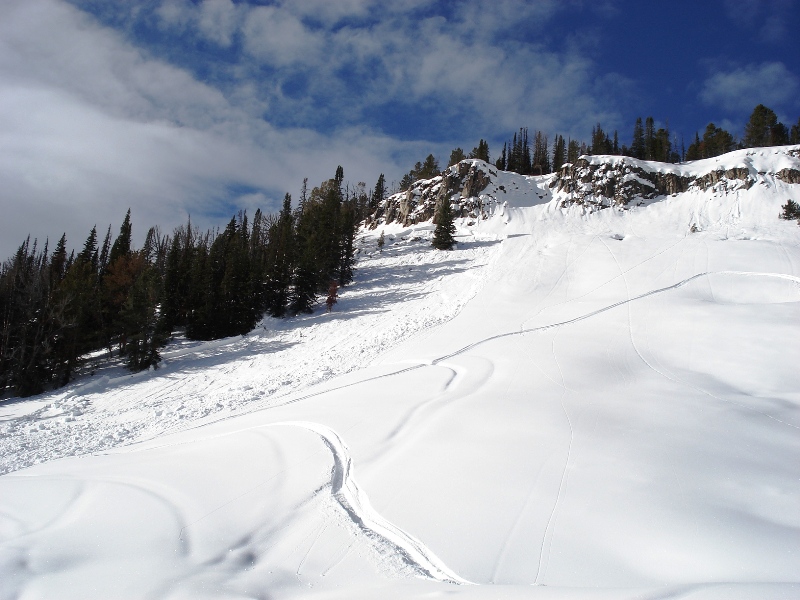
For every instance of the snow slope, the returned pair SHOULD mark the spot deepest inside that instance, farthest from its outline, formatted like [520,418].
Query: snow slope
[573,404]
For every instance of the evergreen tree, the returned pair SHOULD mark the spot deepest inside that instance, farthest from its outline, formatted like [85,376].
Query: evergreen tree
[794,136]
[103,259]
[601,143]
[481,151]
[443,234]
[456,156]
[791,211]
[122,245]
[763,129]
[280,260]
[649,139]
[429,169]
[541,155]
[638,143]
[573,151]
[662,147]
[502,162]
[559,153]
[378,193]
[695,150]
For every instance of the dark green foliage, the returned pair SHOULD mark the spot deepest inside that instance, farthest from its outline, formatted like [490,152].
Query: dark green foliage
[422,170]
[791,211]
[502,162]
[559,152]
[378,193]
[443,234]
[223,301]
[279,260]
[518,157]
[55,309]
[716,141]
[456,156]
[122,245]
[638,148]
[430,168]
[573,151]
[541,155]
[601,143]
[481,151]
[763,129]
[794,136]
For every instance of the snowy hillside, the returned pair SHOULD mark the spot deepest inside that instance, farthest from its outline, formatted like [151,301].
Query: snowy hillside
[577,402]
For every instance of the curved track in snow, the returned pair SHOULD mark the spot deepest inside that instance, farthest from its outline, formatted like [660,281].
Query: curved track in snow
[611,306]
[356,504]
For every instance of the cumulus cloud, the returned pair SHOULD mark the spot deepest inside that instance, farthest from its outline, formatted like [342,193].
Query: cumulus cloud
[90,126]
[277,37]
[219,20]
[739,90]
[92,123]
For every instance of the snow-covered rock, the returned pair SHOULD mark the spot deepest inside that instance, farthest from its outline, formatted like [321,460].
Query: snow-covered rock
[594,182]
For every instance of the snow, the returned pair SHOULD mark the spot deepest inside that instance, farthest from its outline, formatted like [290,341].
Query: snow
[571,404]
[760,160]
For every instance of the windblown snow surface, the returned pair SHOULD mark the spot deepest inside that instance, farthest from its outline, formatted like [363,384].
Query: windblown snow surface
[569,405]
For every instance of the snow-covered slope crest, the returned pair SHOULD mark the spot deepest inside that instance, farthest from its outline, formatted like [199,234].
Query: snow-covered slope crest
[595,182]
[605,180]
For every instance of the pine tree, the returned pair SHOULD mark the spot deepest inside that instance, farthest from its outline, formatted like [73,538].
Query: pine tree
[638,143]
[794,136]
[280,260]
[378,193]
[649,139]
[695,149]
[559,153]
[443,234]
[541,155]
[122,245]
[456,156]
[429,169]
[481,151]
[763,129]
[573,151]
[791,210]
[502,162]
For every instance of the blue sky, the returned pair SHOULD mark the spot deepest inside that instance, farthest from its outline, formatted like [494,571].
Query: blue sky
[177,107]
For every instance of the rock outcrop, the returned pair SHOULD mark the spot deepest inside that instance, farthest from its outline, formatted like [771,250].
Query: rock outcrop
[615,180]
[460,184]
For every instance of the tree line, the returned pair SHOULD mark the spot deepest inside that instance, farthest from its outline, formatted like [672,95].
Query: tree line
[56,306]
[537,155]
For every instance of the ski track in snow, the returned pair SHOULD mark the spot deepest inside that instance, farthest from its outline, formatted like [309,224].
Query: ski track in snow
[522,332]
[352,498]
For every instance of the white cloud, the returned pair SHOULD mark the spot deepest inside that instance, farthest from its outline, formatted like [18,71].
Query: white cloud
[89,127]
[219,20]
[176,13]
[276,37]
[90,124]
[740,90]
